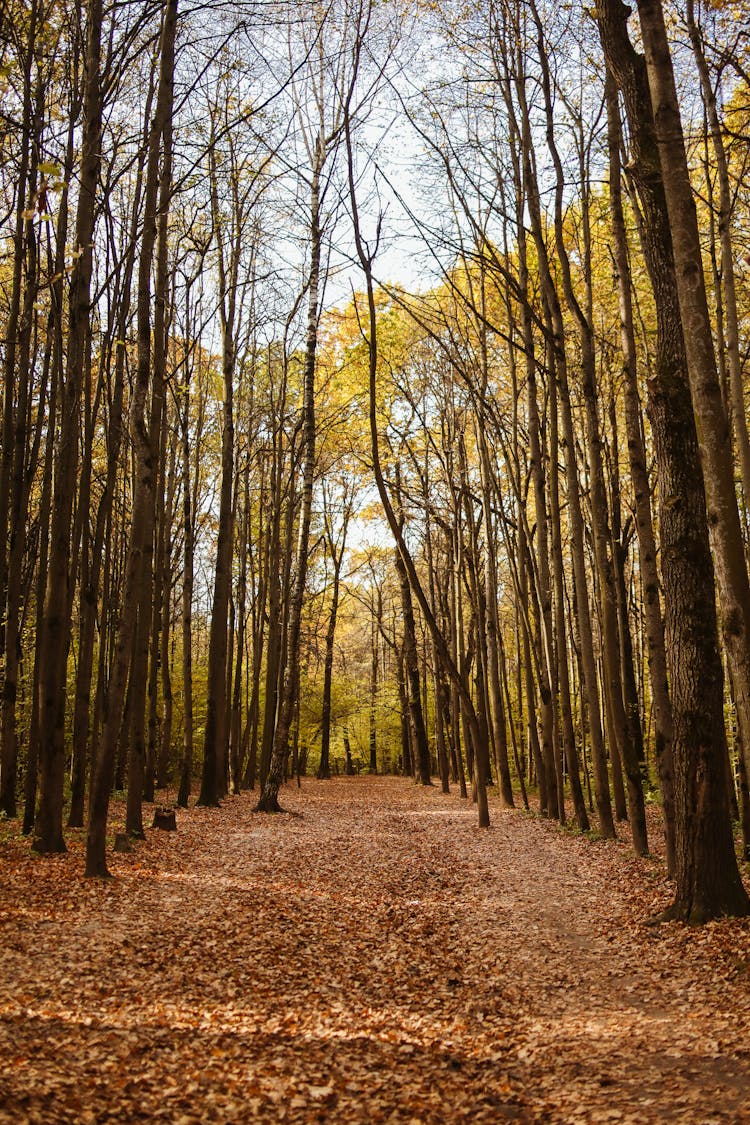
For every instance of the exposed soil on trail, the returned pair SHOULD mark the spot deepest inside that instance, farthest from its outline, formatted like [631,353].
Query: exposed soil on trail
[376,959]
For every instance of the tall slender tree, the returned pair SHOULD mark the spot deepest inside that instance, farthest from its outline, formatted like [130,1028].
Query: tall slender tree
[96,862]
[55,624]
[707,878]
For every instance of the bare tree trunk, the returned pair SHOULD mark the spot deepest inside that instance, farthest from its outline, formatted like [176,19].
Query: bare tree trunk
[456,651]
[621,741]
[657,660]
[150,448]
[235,739]
[558,573]
[186,772]
[55,633]
[374,675]
[517,758]
[619,542]
[708,882]
[269,798]
[442,701]
[273,649]
[89,594]
[545,782]
[575,515]
[460,725]
[32,762]
[24,201]
[411,665]
[540,508]
[259,609]
[707,875]
[336,547]
[96,864]
[213,782]
[497,709]
[728,273]
[165,741]
[159,597]
[21,474]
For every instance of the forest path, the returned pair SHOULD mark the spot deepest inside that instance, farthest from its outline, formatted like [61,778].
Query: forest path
[376,959]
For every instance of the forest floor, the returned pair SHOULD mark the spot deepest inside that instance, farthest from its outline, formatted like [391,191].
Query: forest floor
[369,956]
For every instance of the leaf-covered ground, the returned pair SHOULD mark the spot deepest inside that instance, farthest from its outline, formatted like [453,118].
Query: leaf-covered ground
[375,959]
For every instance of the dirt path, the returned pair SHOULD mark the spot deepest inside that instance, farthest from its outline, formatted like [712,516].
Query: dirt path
[377,959]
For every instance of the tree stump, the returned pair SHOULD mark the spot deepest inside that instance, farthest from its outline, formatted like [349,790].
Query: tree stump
[123,843]
[165,819]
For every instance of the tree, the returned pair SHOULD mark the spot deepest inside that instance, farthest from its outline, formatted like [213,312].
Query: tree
[235,262]
[321,135]
[335,547]
[639,473]
[55,623]
[708,881]
[141,523]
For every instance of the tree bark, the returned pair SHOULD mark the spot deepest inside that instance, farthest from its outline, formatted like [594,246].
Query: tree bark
[55,633]
[411,666]
[21,475]
[186,771]
[657,659]
[215,743]
[558,577]
[337,557]
[575,514]
[150,449]
[728,272]
[269,798]
[708,882]
[96,863]
[542,524]
[620,734]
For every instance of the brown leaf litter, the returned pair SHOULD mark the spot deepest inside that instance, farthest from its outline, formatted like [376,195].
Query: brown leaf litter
[376,959]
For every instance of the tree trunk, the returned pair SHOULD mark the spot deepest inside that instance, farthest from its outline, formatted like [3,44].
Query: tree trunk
[442,701]
[141,518]
[707,877]
[159,599]
[89,593]
[20,481]
[497,710]
[558,573]
[657,660]
[235,736]
[55,632]
[213,782]
[32,758]
[621,743]
[540,511]
[708,882]
[186,772]
[150,450]
[324,770]
[575,515]
[269,798]
[165,742]
[374,674]
[24,201]
[411,665]
[728,273]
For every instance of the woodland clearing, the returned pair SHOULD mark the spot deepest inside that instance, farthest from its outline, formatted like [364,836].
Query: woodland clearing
[368,956]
